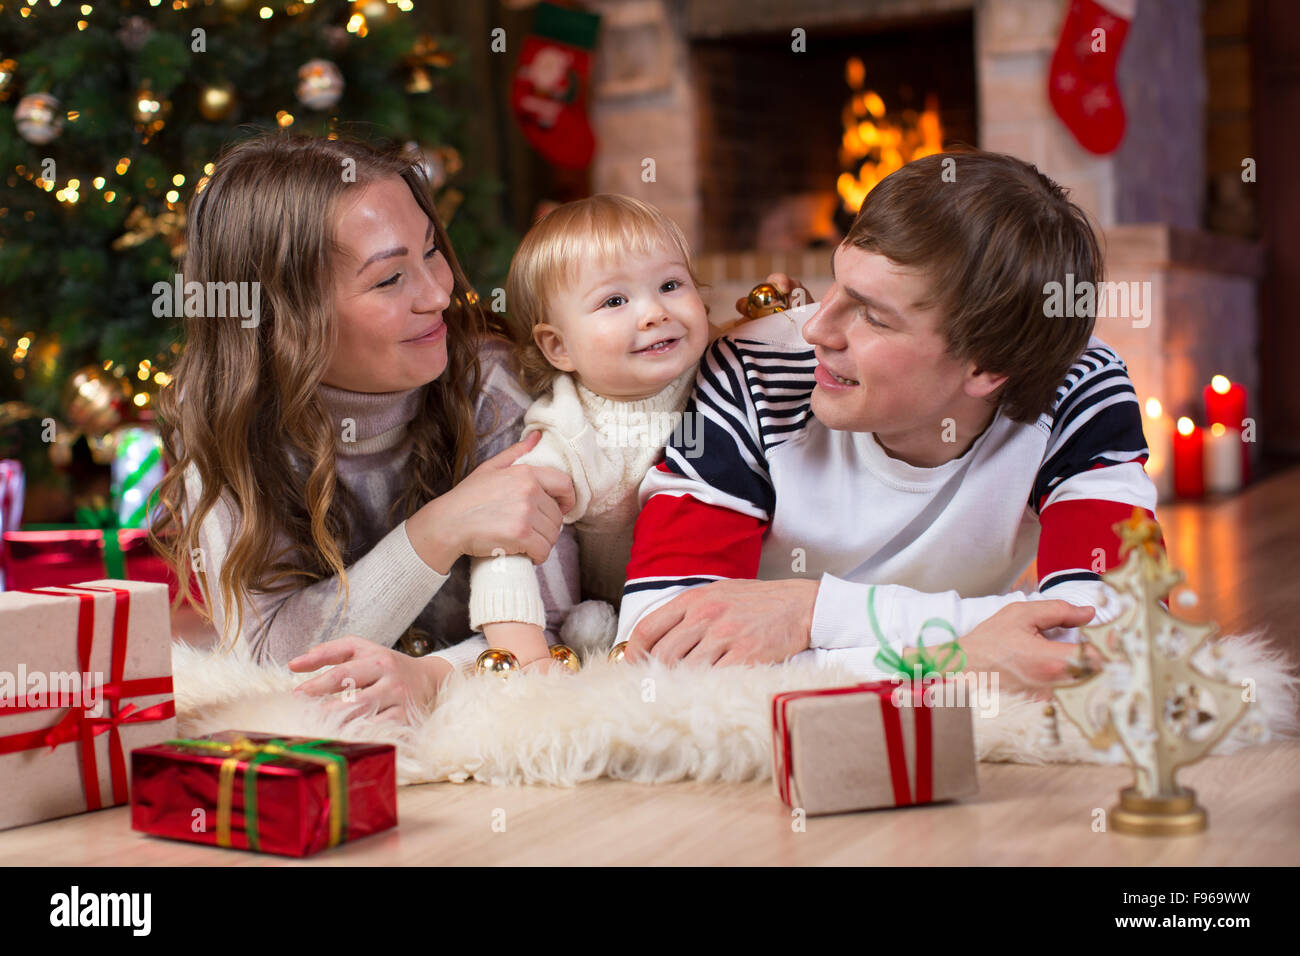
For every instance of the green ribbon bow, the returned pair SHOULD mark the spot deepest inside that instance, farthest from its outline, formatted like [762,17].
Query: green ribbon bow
[925,665]
[253,753]
[105,520]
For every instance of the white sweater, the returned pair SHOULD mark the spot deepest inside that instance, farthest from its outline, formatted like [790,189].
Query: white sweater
[605,446]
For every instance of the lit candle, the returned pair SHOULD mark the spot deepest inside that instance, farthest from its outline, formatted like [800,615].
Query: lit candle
[1159,431]
[1223,458]
[1225,404]
[1189,460]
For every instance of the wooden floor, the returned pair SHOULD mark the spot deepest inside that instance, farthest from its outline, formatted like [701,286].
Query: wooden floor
[1241,556]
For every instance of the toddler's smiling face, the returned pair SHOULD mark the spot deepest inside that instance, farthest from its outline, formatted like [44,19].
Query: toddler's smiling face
[628,327]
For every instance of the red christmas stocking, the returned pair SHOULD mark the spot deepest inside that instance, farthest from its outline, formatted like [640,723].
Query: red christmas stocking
[1081,82]
[549,98]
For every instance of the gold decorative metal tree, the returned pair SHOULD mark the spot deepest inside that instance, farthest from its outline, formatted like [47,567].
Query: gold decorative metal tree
[1148,697]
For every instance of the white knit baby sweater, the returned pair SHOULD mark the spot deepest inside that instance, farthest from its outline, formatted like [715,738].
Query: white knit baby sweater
[606,446]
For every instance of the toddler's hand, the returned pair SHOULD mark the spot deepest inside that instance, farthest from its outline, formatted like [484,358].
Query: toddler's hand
[784,284]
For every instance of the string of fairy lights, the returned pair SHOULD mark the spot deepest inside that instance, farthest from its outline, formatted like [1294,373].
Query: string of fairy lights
[320,85]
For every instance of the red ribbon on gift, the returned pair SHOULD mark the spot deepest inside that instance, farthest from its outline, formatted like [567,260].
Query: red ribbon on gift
[893,726]
[78,723]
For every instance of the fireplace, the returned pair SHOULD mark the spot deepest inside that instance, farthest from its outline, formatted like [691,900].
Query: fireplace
[784,127]
[746,137]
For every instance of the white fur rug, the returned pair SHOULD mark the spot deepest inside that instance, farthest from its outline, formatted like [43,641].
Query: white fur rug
[641,722]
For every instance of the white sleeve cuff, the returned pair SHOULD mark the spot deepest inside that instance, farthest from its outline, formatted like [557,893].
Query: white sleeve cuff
[840,615]
[463,655]
[504,588]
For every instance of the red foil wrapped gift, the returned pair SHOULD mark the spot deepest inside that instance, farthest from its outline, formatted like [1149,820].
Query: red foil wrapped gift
[287,795]
[59,557]
[871,745]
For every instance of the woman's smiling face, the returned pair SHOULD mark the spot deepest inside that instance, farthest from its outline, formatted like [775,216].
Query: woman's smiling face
[391,285]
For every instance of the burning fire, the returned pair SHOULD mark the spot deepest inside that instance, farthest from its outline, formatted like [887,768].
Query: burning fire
[873,146]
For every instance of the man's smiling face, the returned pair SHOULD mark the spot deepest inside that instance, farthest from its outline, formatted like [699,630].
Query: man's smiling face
[883,365]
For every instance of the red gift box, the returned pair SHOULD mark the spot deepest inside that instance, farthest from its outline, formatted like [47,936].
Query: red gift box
[879,744]
[287,795]
[56,558]
[11,504]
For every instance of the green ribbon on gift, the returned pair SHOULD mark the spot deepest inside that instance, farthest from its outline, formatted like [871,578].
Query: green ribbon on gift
[136,518]
[924,665]
[106,521]
[253,753]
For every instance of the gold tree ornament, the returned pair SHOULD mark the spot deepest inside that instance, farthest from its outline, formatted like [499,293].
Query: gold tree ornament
[764,299]
[217,101]
[565,656]
[1149,699]
[497,660]
[94,400]
[140,227]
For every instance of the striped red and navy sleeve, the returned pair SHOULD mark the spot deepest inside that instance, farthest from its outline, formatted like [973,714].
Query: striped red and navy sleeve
[1092,471]
[706,506]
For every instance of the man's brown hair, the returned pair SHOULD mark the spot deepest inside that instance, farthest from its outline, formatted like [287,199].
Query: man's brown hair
[991,232]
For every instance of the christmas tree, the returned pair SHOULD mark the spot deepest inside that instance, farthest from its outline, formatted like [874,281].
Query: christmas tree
[113,113]
[1150,701]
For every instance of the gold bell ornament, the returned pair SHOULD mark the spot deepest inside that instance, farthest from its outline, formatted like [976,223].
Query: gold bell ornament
[217,101]
[565,655]
[94,400]
[497,660]
[764,299]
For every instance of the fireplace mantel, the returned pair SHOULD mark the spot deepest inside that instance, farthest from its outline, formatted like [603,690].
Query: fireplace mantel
[1161,245]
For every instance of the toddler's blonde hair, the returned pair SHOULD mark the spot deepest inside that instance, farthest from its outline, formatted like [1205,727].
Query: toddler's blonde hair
[601,228]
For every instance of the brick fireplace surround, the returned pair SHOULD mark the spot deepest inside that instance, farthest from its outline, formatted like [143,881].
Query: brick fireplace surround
[1146,198]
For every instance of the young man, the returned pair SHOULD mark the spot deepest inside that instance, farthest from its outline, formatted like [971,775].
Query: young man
[928,431]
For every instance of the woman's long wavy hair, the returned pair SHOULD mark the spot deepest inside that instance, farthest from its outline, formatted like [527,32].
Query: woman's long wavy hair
[243,414]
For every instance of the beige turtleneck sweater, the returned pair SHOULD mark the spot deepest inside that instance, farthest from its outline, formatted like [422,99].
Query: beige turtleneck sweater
[606,446]
[390,588]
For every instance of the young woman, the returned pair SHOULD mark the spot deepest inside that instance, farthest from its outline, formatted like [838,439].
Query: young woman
[335,457]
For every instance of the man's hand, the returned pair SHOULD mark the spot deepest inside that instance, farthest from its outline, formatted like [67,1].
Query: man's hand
[729,622]
[1011,642]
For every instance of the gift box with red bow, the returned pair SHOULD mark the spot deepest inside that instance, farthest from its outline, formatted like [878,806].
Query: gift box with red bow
[881,744]
[287,795]
[43,556]
[85,676]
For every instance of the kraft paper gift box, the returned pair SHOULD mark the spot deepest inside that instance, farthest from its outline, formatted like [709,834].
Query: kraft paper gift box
[85,677]
[869,746]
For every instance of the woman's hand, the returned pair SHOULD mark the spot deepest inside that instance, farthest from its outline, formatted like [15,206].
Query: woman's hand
[497,509]
[372,678]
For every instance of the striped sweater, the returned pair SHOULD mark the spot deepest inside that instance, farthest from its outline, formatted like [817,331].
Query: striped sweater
[777,494]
